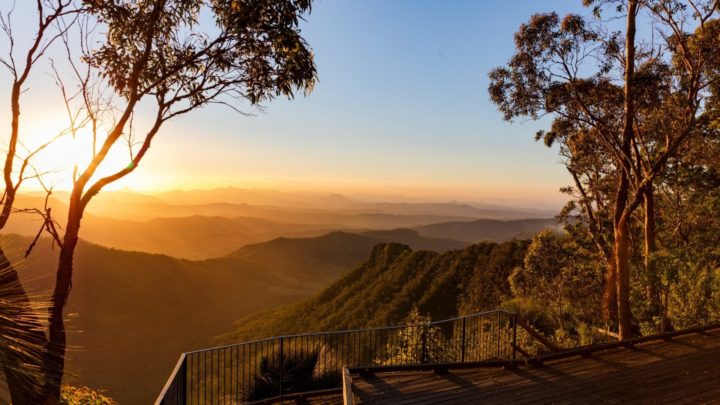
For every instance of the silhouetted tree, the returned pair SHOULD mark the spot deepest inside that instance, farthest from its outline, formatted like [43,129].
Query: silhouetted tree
[155,55]
[21,324]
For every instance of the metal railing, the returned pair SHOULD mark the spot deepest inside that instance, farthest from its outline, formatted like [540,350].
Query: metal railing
[284,365]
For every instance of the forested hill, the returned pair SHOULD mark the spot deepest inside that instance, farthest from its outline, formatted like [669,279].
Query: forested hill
[131,313]
[393,280]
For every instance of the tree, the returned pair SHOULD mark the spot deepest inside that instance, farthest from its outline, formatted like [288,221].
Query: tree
[568,69]
[418,342]
[559,275]
[155,55]
[21,323]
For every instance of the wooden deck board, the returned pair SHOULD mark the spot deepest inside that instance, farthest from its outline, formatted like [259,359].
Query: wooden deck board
[685,369]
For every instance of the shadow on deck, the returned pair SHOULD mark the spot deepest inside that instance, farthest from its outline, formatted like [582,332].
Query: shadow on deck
[683,369]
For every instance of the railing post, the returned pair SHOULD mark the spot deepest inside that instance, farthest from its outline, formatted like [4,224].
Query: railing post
[282,365]
[462,350]
[514,341]
[424,346]
[498,333]
[183,383]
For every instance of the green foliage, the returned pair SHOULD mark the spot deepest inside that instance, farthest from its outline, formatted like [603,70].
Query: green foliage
[567,68]
[71,395]
[694,298]
[411,344]
[488,286]
[651,288]
[394,280]
[558,276]
[255,52]
[533,312]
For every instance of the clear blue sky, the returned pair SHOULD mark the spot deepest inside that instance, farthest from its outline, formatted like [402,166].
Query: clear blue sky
[401,108]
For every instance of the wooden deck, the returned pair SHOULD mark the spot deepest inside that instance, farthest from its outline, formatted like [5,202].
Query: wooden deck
[685,369]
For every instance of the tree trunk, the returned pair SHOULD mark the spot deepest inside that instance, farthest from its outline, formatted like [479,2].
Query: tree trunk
[7,207]
[622,255]
[622,228]
[652,289]
[20,323]
[54,360]
[610,294]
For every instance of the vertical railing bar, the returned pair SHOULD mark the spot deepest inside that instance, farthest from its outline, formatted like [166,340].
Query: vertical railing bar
[245,361]
[423,348]
[514,347]
[236,367]
[462,341]
[183,387]
[335,352]
[232,374]
[282,365]
[253,368]
[189,358]
[210,371]
[367,348]
[197,383]
[220,376]
[324,352]
[202,384]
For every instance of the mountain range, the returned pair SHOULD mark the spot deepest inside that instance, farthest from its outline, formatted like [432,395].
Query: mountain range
[394,279]
[157,275]
[488,229]
[193,227]
[130,314]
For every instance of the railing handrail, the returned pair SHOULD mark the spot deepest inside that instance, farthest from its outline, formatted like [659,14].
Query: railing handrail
[193,376]
[380,328]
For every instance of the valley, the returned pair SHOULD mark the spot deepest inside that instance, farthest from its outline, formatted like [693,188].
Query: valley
[146,289]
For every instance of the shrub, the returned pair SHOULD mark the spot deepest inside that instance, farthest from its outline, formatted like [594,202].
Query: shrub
[83,396]
[301,371]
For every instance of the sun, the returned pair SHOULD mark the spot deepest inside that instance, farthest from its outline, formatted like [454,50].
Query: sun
[67,154]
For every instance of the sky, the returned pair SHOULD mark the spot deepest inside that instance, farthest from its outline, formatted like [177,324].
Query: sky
[401,109]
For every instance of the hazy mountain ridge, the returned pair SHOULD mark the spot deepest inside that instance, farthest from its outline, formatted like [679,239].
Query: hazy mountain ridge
[336,252]
[489,229]
[416,241]
[236,202]
[146,223]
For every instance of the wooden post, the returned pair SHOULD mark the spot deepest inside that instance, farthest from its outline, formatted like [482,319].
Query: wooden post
[347,387]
